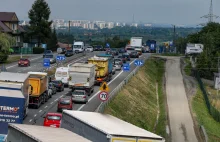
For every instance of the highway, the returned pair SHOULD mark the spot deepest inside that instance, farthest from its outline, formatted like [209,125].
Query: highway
[35,116]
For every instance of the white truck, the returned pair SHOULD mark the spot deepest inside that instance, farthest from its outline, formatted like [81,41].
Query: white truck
[33,133]
[78,47]
[136,42]
[62,73]
[82,76]
[18,83]
[99,127]
[194,49]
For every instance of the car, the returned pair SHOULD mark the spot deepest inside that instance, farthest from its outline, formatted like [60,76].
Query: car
[124,60]
[117,66]
[58,84]
[98,48]
[52,120]
[80,96]
[61,50]
[64,103]
[134,54]
[113,70]
[118,61]
[69,53]
[122,50]
[52,88]
[47,52]
[51,57]
[89,48]
[24,62]
[127,56]
[115,52]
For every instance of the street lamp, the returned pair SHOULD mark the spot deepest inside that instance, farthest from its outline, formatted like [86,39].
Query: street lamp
[174,36]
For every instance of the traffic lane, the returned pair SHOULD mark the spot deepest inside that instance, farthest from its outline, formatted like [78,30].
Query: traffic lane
[37,65]
[35,116]
[94,101]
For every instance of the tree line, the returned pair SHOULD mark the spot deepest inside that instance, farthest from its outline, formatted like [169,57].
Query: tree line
[207,61]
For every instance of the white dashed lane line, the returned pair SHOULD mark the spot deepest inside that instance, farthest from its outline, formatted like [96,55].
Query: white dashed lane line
[45,107]
[51,103]
[30,120]
[40,111]
[35,115]
[56,100]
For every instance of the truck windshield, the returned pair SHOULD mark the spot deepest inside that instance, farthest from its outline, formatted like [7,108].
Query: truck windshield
[52,117]
[78,93]
[64,74]
[77,46]
[59,74]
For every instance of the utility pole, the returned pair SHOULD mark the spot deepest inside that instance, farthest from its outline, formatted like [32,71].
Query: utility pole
[174,37]
[210,15]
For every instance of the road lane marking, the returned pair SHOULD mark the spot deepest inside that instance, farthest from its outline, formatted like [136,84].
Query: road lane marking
[40,110]
[35,115]
[51,103]
[56,100]
[30,120]
[45,107]
[107,83]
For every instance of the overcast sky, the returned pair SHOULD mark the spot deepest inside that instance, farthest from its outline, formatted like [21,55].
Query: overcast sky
[148,11]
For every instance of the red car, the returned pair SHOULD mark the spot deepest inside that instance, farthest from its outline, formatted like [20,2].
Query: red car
[53,120]
[64,103]
[24,62]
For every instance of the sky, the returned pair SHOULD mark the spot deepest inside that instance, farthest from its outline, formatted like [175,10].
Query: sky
[146,11]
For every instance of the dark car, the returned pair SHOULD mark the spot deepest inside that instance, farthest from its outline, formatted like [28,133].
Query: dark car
[122,58]
[122,50]
[24,62]
[115,52]
[98,48]
[134,54]
[64,103]
[127,56]
[58,84]
[69,53]
[53,88]
[47,52]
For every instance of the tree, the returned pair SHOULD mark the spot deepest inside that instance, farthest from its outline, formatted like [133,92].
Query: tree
[39,21]
[52,42]
[6,42]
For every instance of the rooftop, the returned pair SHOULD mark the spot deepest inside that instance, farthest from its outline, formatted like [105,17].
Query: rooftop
[110,125]
[47,134]
[6,16]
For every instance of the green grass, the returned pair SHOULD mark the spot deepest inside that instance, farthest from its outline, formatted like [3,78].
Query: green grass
[14,59]
[188,67]
[136,103]
[213,96]
[203,117]
[170,54]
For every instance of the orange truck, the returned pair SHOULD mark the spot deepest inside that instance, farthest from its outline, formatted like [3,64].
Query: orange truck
[38,94]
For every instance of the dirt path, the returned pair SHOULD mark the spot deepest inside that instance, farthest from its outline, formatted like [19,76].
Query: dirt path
[181,123]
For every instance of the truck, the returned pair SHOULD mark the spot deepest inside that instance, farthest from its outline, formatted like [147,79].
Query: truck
[33,133]
[104,67]
[16,85]
[99,127]
[82,76]
[136,42]
[78,47]
[193,49]
[38,93]
[152,45]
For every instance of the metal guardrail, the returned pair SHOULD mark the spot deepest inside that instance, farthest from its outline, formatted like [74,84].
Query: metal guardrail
[103,105]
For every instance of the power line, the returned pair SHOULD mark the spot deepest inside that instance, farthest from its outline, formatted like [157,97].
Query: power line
[210,15]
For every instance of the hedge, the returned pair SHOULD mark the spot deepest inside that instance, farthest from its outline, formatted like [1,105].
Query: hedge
[3,57]
[38,50]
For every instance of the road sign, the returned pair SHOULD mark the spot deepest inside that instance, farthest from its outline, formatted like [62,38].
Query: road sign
[126,67]
[103,96]
[61,58]
[138,62]
[46,63]
[107,45]
[104,87]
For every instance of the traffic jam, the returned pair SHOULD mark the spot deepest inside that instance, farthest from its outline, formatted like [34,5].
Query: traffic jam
[30,90]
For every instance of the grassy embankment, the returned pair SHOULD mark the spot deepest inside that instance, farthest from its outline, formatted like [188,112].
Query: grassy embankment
[203,117]
[188,66]
[214,96]
[137,101]
[14,59]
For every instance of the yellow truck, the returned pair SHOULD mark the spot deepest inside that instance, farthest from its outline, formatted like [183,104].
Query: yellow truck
[102,69]
[38,94]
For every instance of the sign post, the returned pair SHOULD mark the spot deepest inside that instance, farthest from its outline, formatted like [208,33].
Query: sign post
[126,67]
[104,87]
[103,96]
[46,63]
[60,58]
[138,62]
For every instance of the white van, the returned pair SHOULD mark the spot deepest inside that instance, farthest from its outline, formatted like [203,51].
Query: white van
[62,74]
[78,47]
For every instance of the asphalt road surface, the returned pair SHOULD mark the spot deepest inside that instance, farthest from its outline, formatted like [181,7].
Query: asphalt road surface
[181,122]
[35,116]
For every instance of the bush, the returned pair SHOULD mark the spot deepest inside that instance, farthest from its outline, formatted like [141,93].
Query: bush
[3,57]
[38,50]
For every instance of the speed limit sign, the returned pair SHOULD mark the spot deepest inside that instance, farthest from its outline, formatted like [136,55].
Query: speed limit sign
[103,96]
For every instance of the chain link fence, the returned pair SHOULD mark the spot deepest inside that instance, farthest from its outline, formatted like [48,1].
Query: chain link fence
[112,95]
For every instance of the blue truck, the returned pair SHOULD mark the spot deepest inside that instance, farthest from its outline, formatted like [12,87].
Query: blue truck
[12,105]
[152,45]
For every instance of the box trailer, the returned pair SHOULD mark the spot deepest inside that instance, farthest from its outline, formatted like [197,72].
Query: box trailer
[136,41]
[31,133]
[19,83]
[105,128]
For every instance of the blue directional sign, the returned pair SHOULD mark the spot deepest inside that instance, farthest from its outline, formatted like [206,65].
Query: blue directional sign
[138,62]
[46,63]
[126,67]
[107,45]
[61,58]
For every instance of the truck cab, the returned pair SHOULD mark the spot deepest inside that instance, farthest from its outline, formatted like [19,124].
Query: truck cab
[78,47]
